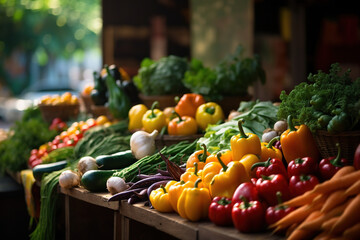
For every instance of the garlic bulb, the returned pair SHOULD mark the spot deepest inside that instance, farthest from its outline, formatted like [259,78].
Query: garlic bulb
[69,179]
[143,144]
[85,164]
[116,185]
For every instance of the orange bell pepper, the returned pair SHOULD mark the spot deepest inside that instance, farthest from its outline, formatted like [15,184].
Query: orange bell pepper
[175,191]
[191,174]
[184,125]
[226,157]
[209,171]
[268,151]
[198,157]
[298,142]
[242,144]
[188,104]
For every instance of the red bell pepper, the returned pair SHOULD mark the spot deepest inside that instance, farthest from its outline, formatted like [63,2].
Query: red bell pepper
[267,187]
[275,213]
[248,216]
[305,165]
[269,167]
[247,190]
[220,211]
[329,166]
[299,184]
[357,158]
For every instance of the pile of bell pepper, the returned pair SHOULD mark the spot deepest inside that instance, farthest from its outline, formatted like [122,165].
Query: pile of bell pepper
[190,115]
[245,185]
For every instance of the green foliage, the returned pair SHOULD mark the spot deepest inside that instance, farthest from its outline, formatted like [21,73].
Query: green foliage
[28,133]
[161,77]
[329,101]
[231,77]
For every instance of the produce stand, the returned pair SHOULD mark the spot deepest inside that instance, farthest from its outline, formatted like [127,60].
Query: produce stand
[136,221]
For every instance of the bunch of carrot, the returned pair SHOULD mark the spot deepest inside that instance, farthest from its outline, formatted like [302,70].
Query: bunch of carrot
[330,211]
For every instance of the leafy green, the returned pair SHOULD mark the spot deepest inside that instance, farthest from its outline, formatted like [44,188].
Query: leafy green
[257,116]
[231,77]
[328,101]
[28,133]
[162,77]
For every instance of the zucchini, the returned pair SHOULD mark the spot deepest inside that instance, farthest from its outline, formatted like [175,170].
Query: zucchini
[95,180]
[41,169]
[117,160]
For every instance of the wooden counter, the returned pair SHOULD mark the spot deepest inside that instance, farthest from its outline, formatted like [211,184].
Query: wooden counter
[138,221]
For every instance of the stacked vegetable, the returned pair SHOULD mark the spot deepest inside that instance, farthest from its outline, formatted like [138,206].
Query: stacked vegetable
[190,116]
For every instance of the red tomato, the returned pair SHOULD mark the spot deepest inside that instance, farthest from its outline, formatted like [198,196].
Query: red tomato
[34,152]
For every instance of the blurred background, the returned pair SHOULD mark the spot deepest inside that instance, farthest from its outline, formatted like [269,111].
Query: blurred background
[55,45]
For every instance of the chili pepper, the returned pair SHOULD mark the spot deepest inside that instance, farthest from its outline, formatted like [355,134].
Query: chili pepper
[248,216]
[242,143]
[208,113]
[267,187]
[153,119]
[184,125]
[188,104]
[230,177]
[194,202]
[199,156]
[268,151]
[159,199]
[305,165]
[220,211]
[298,142]
[209,171]
[226,157]
[275,213]
[136,114]
[271,166]
[248,160]
[175,190]
[329,166]
[192,174]
[357,158]
[247,190]
[299,184]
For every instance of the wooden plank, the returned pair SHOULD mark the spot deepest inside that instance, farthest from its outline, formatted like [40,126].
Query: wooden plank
[99,199]
[209,231]
[170,223]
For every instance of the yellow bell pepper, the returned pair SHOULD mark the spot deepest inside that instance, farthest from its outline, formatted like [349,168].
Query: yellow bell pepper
[209,171]
[191,174]
[175,190]
[208,113]
[268,151]
[248,160]
[159,199]
[136,114]
[153,119]
[193,203]
[242,144]
[230,177]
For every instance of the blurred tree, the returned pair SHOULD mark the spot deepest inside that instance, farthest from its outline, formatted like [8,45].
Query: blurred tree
[42,30]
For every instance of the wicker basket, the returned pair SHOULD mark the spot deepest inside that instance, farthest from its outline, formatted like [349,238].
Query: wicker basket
[97,111]
[86,102]
[63,111]
[326,143]
[168,140]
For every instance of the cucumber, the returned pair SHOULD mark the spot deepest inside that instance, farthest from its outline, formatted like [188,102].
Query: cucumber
[41,169]
[95,180]
[117,160]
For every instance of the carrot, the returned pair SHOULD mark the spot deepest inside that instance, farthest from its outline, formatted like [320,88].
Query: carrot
[300,233]
[316,223]
[327,236]
[334,184]
[344,171]
[349,217]
[353,189]
[328,224]
[291,229]
[301,200]
[352,232]
[334,199]
[297,216]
